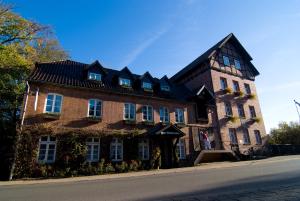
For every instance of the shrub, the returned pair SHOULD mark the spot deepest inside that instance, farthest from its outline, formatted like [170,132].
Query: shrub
[156,158]
[109,168]
[134,165]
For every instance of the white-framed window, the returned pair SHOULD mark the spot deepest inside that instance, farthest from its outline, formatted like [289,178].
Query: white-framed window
[47,149]
[143,149]
[53,103]
[93,149]
[236,86]
[95,108]
[164,87]
[247,88]
[232,136]
[237,64]
[179,115]
[164,114]
[125,82]
[226,61]
[147,113]
[228,109]
[116,149]
[252,111]
[241,110]
[246,136]
[129,111]
[180,149]
[223,83]
[147,85]
[257,137]
[95,76]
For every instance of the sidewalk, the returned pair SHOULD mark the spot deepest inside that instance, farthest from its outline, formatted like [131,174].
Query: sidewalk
[203,166]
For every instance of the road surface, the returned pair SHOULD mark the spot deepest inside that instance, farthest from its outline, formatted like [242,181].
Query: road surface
[271,179]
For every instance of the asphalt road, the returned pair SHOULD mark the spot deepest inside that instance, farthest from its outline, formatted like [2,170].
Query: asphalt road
[277,179]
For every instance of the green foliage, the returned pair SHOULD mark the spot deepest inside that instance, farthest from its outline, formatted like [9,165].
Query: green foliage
[286,134]
[121,167]
[156,158]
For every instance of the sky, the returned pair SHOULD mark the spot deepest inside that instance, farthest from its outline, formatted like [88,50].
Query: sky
[162,37]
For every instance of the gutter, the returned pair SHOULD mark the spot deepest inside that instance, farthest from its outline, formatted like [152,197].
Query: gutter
[18,134]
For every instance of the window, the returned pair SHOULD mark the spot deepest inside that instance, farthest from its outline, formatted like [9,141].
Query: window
[125,82]
[95,76]
[129,111]
[116,149]
[237,64]
[226,61]
[147,85]
[179,115]
[246,136]
[53,103]
[147,113]
[247,89]
[165,87]
[93,149]
[252,111]
[228,109]
[95,107]
[164,114]
[143,149]
[236,86]
[257,137]
[232,136]
[47,149]
[180,149]
[223,83]
[241,111]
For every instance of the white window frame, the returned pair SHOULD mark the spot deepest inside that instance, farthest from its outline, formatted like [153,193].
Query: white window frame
[95,106]
[246,136]
[53,103]
[232,136]
[237,64]
[146,111]
[179,112]
[48,142]
[223,83]
[93,142]
[225,60]
[164,87]
[164,114]
[125,82]
[147,85]
[95,76]
[114,146]
[130,105]
[143,149]
[228,109]
[181,149]
[257,137]
[252,112]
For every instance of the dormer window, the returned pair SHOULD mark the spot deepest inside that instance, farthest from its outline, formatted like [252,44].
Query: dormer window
[125,82]
[237,64]
[94,76]
[147,85]
[165,87]
[226,61]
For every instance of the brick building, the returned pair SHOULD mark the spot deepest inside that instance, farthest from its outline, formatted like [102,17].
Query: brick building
[124,116]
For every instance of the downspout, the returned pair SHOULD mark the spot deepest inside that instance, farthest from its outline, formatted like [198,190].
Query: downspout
[18,134]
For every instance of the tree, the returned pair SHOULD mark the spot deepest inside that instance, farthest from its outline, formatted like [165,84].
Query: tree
[286,134]
[22,43]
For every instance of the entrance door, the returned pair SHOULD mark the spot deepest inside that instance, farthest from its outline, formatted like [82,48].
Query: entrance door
[166,153]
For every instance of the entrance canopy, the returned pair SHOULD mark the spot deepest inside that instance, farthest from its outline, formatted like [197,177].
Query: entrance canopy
[166,130]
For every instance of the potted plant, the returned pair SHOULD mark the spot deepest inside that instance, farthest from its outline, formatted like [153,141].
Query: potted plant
[227,90]
[233,119]
[239,93]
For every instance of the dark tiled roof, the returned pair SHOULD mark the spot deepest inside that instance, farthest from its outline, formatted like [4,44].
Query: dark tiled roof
[72,73]
[206,55]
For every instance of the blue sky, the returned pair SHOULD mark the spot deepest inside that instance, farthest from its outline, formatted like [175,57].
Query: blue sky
[164,36]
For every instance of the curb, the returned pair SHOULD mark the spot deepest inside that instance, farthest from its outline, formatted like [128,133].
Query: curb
[203,166]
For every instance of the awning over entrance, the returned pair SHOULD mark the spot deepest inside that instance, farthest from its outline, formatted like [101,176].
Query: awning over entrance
[166,130]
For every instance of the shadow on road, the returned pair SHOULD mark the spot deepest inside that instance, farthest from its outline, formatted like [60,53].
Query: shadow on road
[271,187]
